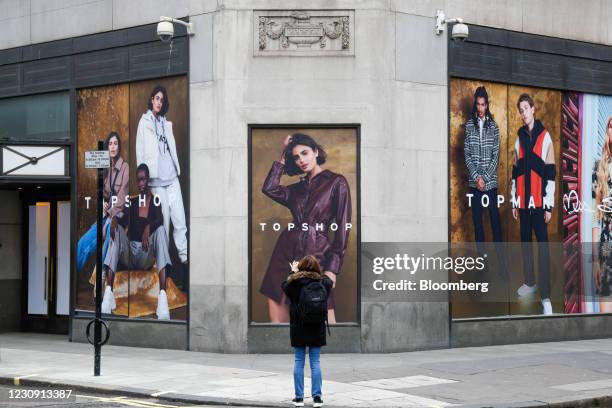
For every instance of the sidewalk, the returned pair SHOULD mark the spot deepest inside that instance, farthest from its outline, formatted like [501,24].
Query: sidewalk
[528,375]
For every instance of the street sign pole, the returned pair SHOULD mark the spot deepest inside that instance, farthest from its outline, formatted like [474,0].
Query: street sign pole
[100,160]
[99,243]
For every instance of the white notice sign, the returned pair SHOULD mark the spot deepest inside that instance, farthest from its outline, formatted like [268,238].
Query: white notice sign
[97,159]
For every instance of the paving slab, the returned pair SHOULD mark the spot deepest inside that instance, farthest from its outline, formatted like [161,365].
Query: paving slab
[561,374]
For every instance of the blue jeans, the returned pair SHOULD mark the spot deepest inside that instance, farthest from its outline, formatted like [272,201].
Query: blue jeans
[314,353]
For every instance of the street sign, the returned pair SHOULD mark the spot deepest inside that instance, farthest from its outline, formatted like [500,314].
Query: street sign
[97,159]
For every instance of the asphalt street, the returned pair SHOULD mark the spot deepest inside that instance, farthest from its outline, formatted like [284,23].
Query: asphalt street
[12,396]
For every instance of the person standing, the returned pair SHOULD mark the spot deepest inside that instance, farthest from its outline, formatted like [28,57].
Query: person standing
[481,152]
[156,147]
[304,332]
[533,196]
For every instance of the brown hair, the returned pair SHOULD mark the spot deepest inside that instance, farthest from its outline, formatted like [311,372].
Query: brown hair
[309,263]
[524,98]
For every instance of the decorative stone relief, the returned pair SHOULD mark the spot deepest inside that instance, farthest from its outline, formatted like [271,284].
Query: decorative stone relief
[304,32]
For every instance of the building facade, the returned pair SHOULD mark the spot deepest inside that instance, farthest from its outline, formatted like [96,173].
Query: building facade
[370,81]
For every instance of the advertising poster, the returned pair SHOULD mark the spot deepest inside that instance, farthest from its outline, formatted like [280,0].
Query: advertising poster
[304,201]
[146,199]
[501,195]
[588,126]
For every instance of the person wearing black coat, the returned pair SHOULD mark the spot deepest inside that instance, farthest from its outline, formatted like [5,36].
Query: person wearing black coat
[302,335]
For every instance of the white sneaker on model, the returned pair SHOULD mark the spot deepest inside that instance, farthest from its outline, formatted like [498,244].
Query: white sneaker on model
[108,301]
[525,290]
[163,313]
[547,306]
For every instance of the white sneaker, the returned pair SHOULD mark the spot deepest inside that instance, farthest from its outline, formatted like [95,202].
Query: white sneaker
[547,306]
[108,301]
[525,290]
[163,313]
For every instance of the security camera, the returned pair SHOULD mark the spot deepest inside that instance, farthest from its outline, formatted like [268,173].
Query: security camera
[165,31]
[165,28]
[460,32]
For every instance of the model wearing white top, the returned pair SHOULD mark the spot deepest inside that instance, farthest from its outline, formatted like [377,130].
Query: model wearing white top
[156,147]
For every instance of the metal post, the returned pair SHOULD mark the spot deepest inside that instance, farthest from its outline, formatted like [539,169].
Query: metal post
[99,243]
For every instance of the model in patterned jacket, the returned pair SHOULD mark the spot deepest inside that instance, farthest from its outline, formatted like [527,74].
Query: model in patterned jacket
[533,196]
[482,158]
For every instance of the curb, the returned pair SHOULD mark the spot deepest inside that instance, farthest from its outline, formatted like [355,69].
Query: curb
[134,392]
[603,401]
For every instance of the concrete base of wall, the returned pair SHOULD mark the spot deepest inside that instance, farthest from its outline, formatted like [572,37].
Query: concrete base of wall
[10,305]
[137,333]
[395,327]
[275,339]
[489,332]
[345,338]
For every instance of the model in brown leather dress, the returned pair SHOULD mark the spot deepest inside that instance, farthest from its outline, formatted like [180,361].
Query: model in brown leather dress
[320,197]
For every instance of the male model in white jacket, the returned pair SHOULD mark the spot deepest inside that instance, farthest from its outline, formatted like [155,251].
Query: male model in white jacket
[156,147]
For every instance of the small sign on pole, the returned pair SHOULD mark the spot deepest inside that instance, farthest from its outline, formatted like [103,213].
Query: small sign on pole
[97,159]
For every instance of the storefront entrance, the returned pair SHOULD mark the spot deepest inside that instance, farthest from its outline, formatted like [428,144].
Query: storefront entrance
[46,259]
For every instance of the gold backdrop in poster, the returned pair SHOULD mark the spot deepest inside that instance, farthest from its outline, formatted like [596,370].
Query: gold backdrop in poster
[462,226]
[502,103]
[461,101]
[119,108]
[341,147]
[100,111]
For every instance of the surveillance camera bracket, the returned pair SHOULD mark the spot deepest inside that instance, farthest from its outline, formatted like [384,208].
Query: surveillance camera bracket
[441,20]
[190,27]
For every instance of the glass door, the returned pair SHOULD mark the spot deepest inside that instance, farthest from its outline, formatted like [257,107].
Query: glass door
[62,278]
[48,265]
[39,258]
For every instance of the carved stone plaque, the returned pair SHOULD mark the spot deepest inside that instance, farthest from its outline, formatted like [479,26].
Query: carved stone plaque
[304,32]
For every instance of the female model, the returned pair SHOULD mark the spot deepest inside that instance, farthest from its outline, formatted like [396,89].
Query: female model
[602,221]
[320,197]
[156,147]
[116,184]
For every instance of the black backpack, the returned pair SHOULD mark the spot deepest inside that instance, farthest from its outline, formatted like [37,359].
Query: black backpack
[313,303]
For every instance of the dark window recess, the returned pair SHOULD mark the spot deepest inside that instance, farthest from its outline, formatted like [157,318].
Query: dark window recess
[492,54]
[127,55]
[39,118]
